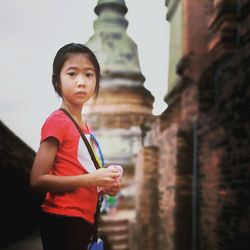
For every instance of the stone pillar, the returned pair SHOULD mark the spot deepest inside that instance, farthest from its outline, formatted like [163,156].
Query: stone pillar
[147,198]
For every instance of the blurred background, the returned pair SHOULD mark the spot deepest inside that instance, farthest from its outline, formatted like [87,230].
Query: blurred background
[33,31]
[173,110]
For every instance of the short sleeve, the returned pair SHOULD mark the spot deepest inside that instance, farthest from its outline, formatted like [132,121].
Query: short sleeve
[54,127]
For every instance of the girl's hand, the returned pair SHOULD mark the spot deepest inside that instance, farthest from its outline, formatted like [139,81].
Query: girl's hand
[105,177]
[111,191]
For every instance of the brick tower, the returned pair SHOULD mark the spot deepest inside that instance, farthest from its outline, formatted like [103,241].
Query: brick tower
[124,105]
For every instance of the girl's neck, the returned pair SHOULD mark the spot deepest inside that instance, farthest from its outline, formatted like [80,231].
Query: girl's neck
[76,113]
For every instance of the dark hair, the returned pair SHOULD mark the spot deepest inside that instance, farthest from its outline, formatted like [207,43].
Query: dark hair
[63,54]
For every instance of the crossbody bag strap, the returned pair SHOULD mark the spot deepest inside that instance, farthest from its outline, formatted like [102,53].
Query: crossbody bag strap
[90,150]
[97,166]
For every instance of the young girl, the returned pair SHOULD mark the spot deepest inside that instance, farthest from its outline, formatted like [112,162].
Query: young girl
[63,168]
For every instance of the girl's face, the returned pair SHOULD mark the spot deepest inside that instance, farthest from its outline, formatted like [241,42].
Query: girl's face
[77,79]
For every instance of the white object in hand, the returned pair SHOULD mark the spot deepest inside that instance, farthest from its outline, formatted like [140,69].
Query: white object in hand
[116,167]
[119,168]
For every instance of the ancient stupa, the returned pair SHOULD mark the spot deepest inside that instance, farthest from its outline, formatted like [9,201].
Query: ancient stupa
[123,104]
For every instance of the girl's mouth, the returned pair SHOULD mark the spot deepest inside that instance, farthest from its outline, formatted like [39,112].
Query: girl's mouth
[81,93]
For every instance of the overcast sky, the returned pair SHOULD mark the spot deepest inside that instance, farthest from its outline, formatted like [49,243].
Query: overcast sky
[33,30]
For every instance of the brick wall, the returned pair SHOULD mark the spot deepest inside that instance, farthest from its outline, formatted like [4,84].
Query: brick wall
[147,198]
[203,139]
[166,185]
[219,102]
[195,14]
[173,134]
[224,154]
[224,132]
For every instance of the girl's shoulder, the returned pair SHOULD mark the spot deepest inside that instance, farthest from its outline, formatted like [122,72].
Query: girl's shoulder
[57,115]
[56,125]
[57,118]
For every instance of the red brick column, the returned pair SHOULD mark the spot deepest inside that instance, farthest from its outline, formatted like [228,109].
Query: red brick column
[196,16]
[146,177]
[167,186]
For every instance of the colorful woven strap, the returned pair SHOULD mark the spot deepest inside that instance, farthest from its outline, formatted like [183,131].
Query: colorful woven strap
[94,144]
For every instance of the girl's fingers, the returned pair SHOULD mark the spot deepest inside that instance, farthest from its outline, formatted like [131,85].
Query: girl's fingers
[111,191]
[115,175]
[115,172]
[107,177]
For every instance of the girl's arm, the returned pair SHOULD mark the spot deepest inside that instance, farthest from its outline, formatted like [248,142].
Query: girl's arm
[41,180]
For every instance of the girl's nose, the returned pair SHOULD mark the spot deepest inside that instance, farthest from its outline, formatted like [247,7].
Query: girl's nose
[81,81]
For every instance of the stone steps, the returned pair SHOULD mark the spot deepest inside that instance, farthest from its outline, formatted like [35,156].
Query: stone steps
[115,228]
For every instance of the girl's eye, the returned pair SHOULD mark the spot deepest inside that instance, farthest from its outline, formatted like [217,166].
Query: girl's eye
[73,74]
[90,75]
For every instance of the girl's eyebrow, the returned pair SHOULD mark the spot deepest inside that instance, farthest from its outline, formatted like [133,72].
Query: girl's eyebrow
[71,67]
[75,68]
[89,68]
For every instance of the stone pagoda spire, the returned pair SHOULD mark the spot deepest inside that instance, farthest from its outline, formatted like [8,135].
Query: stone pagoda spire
[116,51]
[123,104]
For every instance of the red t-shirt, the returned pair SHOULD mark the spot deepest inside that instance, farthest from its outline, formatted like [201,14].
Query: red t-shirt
[72,158]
